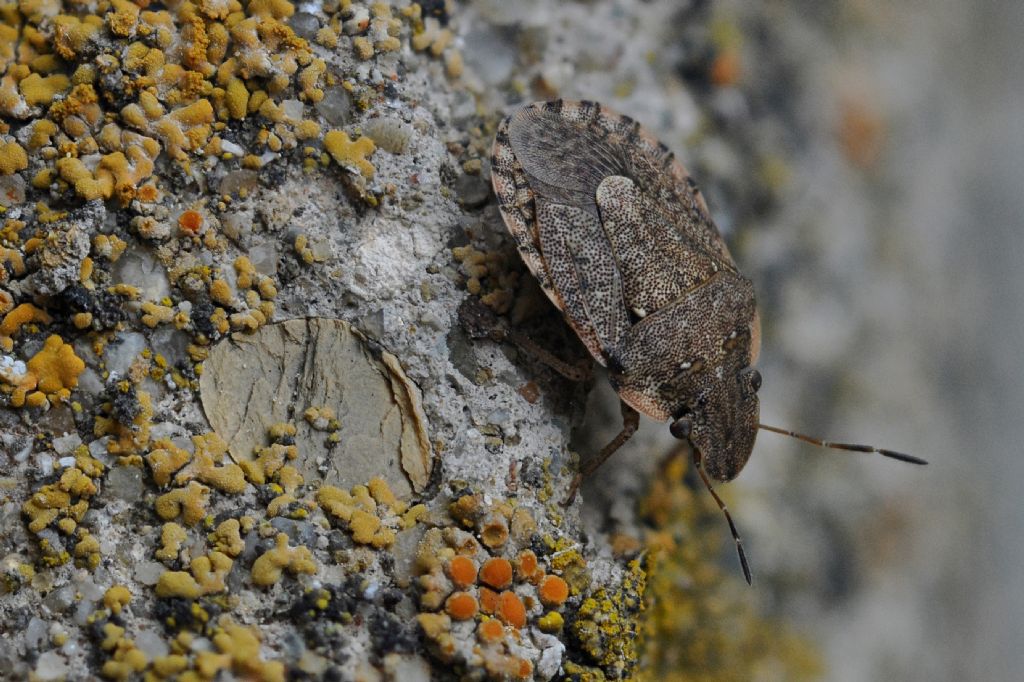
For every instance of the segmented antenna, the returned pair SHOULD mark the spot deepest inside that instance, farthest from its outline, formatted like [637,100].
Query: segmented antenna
[728,517]
[853,447]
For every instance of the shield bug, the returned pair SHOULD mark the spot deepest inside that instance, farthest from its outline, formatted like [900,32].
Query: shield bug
[621,240]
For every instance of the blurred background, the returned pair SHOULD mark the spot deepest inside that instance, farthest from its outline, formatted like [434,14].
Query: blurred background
[865,159]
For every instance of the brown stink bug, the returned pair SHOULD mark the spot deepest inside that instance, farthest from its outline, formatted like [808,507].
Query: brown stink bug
[621,241]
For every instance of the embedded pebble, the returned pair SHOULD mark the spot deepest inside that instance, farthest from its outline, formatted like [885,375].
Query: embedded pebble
[305,25]
[335,107]
[123,351]
[51,666]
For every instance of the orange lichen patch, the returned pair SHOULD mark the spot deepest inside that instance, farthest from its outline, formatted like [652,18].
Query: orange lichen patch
[511,610]
[527,566]
[86,185]
[269,462]
[496,572]
[461,606]
[553,591]
[190,222]
[381,492]
[488,600]
[227,539]
[266,570]
[12,158]
[347,152]
[462,571]
[861,132]
[122,21]
[13,321]
[494,531]
[490,631]
[727,68]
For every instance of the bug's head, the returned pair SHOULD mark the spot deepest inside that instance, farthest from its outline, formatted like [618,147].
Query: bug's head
[721,423]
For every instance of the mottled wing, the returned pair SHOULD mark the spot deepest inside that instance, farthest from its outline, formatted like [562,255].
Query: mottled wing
[604,216]
[517,206]
[564,161]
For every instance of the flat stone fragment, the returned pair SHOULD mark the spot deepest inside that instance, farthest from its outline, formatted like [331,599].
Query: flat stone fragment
[252,381]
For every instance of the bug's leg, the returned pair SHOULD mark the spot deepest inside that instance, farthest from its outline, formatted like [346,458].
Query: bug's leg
[630,423]
[480,323]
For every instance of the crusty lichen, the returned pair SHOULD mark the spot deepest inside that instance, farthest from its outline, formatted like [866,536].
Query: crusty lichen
[700,623]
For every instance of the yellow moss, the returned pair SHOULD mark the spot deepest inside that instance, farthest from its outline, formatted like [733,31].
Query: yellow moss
[266,570]
[12,158]
[116,598]
[347,152]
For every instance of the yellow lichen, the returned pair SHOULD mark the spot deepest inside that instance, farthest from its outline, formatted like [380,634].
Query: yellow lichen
[116,598]
[267,568]
[12,158]
[56,368]
[171,537]
[226,538]
[357,510]
[189,503]
[207,577]
[206,465]
[349,153]
[38,89]
[165,460]
[126,660]
[15,319]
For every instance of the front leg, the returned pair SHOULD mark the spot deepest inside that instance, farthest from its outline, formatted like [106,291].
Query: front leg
[630,423]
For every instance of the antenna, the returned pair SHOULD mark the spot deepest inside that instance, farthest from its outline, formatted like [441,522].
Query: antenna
[853,447]
[728,517]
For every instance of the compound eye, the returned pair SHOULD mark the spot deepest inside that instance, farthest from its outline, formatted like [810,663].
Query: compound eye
[681,428]
[755,379]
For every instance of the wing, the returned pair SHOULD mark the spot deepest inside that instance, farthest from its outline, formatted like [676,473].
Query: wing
[604,216]
[584,274]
